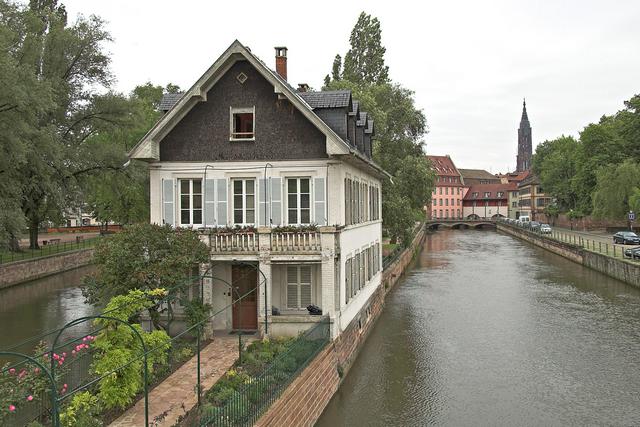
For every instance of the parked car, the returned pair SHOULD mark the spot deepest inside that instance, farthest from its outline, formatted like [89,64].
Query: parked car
[534,225]
[524,219]
[633,253]
[626,238]
[545,229]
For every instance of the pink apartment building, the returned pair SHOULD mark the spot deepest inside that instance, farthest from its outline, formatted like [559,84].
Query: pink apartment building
[446,200]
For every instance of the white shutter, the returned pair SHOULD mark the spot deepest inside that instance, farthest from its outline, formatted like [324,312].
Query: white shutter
[320,201]
[292,287]
[221,208]
[263,215]
[305,286]
[276,201]
[209,203]
[168,210]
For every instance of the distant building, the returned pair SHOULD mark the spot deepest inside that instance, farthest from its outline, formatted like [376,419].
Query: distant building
[525,146]
[446,200]
[487,200]
[478,176]
[532,199]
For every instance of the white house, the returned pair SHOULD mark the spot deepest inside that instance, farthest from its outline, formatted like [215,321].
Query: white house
[281,183]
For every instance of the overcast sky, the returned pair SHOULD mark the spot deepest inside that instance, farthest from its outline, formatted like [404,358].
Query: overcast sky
[470,63]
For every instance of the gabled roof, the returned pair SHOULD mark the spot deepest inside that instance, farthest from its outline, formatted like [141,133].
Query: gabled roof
[362,119]
[443,165]
[148,147]
[369,128]
[530,179]
[327,99]
[169,100]
[477,174]
[492,189]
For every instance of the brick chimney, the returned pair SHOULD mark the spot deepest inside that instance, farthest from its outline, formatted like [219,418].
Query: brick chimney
[281,61]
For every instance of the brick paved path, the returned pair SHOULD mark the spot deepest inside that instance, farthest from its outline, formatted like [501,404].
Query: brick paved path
[176,394]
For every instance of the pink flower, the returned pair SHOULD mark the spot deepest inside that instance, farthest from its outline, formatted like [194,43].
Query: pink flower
[12,371]
[85,339]
[64,386]
[37,370]
[29,398]
[55,356]
[64,354]
[60,362]
[12,408]
[73,352]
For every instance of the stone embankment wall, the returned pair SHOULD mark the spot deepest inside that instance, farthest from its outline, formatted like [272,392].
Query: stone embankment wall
[17,272]
[623,270]
[302,403]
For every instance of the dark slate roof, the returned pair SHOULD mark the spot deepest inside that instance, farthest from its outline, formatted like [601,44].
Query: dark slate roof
[369,128]
[327,99]
[356,106]
[169,100]
[362,119]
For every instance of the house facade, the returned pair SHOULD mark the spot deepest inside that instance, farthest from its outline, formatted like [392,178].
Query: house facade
[487,201]
[532,199]
[478,176]
[449,190]
[281,184]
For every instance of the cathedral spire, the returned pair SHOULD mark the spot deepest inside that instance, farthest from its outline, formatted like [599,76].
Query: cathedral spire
[524,141]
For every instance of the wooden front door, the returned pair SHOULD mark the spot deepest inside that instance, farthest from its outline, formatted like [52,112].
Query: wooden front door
[244,280]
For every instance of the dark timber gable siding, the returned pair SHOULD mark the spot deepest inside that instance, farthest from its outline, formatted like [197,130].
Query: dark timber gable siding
[282,132]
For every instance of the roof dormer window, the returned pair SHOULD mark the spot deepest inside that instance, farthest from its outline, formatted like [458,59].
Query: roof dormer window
[242,124]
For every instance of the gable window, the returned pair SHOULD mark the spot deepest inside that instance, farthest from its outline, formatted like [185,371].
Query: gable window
[298,287]
[242,123]
[191,202]
[244,201]
[298,201]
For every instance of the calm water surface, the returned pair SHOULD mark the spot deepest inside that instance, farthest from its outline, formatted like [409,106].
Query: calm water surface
[31,308]
[487,330]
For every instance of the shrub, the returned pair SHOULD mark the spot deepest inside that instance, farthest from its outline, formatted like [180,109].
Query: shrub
[83,411]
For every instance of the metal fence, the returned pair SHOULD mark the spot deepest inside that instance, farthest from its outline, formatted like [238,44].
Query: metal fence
[577,240]
[48,249]
[246,405]
[60,368]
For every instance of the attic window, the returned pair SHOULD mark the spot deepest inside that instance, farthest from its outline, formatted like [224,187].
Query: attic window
[242,77]
[242,123]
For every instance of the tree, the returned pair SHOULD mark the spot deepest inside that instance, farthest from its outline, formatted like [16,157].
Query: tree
[364,62]
[555,164]
[616,186]
[400,127]
[68,64]
[146,257]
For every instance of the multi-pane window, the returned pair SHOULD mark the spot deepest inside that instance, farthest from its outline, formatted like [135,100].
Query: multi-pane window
[298,201]
[446,202]
[191,202]
[360,269]
[487,194]
[244,201]
[298,287]
[362,202]
[242,123]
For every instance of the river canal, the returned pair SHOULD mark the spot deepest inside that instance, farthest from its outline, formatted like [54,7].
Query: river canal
[487,330]
[29,309]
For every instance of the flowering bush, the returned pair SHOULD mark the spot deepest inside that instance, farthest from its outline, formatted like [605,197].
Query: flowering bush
[24,385]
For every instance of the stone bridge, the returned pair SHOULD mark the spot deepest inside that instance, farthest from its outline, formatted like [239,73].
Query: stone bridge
[434,224]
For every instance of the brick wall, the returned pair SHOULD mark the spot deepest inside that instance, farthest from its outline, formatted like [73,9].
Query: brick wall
[31,269]
[304,400]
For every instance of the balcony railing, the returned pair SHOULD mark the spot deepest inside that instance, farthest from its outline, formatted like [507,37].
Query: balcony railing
[297,241]
[234,242]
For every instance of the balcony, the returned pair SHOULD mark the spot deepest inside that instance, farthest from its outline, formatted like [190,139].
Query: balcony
[250,241]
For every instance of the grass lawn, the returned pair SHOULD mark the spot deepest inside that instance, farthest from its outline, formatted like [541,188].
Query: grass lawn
[387,248]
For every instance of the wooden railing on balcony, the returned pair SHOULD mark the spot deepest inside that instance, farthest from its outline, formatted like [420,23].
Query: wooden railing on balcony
[295,241]
[234,242]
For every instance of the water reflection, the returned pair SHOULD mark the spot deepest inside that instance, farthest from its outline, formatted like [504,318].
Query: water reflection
[487,330]
[31,308]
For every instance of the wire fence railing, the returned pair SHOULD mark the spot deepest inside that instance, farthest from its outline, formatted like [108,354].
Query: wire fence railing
[395,253]
[578,240]
[48,249]
[246,405]
[62,363]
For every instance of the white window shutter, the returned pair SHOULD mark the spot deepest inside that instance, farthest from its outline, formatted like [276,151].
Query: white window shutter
[292,287]
[221,208]
[305,286]
[263,215]
[209,203]
[320,202]
[168,203]
[276,201]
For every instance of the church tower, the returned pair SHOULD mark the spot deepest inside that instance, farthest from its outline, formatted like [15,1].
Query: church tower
[524,142]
